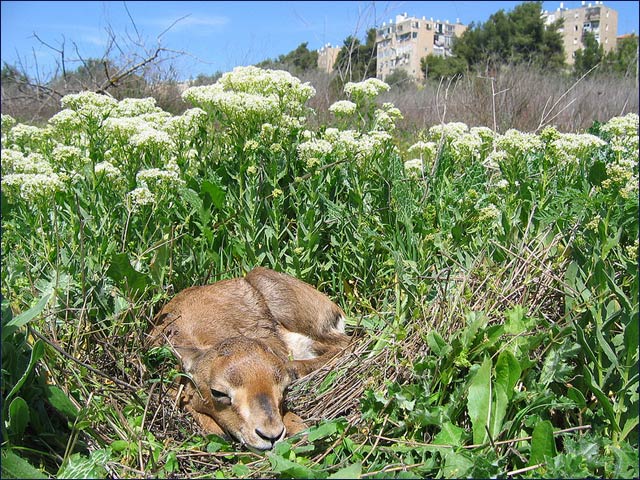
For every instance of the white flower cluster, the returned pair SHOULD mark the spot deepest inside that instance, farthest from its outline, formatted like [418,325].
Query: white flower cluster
[493,160]
[450,131]
[489,213]
[69,156]
[89,105]
[157,179]
[150,137]
[251,93]
[626,126]
[258,81]
[468,145]
[343,107]
[66,121]
[312,150]
[27,134]
[366,90]
[7,123]
[140,196]
[427,150]
[188,123]
[133,107]
[236,105]
[414,168]
[385,117]
[485,133]
[517,142]
[32,186]
[33,163]
[569,147]
[110,172]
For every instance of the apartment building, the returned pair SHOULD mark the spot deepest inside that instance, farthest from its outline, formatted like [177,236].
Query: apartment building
[594,17]
[401,44]
[327,56]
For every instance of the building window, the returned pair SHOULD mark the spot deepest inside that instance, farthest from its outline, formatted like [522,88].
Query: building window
[414,35]
[576,28]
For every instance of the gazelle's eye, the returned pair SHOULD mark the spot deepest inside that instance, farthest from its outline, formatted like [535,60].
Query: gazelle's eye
[221,397]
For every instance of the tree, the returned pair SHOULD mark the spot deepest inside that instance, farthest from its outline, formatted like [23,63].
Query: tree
[400,79]
[518,36]
[624,59]
[588,57]
[297,61]
[355,61]
[437,66]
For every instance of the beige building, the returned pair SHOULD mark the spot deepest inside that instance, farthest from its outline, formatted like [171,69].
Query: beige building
[401,44]
[594,17]
[327,56]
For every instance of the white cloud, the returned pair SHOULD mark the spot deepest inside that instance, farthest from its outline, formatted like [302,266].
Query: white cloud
[190,21]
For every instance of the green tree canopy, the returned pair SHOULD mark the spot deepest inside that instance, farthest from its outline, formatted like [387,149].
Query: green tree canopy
[518,36]
[588,57]
[437,66]
[299,60]
[624,59]
[356,61]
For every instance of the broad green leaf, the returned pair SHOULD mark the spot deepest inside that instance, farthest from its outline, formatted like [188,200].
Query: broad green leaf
[121,271]
[449,435]
[499,405]
[25,317]
[61,402]
[215,192]
[352,471]
[479,401]
[507,372]
[18,416]
[14,466]
[80,466]
[456,465]
[37,351]
[437,344]
[288,468]
[321,431]
[542,443]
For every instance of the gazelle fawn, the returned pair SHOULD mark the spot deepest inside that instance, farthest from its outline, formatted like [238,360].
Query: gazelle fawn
[243,341]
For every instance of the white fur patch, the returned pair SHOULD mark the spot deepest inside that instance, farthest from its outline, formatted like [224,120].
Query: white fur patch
[340,325]
[300,346]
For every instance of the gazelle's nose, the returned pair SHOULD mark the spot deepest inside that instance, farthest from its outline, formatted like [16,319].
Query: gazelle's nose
[270,437]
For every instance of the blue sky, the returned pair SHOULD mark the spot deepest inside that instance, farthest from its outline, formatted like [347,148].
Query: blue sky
[220,35]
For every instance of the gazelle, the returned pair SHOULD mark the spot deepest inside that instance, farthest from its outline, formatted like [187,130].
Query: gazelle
[243,341]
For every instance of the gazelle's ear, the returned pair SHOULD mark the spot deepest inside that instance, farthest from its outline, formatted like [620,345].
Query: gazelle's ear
[188,357]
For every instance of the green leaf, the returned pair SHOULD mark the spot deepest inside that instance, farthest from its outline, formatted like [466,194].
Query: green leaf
[456,465]
[240,470]
[14,466]
[499,405]
[577,396]
[507,372]
[449,435]
[121,271]
[80,466]
[542,443]
[18,416]
[602,398]
[437,344]
[37,351]
[479,401]
[352,471]
[25,317]
[288,468]
[323,430]
[61,402]
[215,192]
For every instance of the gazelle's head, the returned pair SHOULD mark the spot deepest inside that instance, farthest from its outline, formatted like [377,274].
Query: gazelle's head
[241,384]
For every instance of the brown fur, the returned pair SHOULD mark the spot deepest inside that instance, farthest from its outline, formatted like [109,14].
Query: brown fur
[243,341]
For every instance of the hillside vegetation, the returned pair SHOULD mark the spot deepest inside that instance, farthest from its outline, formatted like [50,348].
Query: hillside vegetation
[490,279]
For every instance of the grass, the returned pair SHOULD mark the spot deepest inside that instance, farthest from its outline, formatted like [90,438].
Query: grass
[491,285]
